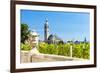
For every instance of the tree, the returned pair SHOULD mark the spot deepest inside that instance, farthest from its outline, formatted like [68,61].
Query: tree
[61,42]
[25,32]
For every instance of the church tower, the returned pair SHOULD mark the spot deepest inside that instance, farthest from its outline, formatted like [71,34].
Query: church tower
[46,31]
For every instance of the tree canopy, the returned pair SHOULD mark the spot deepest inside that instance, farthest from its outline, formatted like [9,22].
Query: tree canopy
[24,32]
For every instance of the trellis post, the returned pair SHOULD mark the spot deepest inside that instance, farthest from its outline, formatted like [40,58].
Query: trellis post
[71,51]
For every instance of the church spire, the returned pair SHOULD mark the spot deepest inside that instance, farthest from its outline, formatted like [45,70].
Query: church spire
[46,22]
[46,30]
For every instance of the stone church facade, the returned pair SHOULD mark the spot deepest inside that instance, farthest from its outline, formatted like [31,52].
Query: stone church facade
[50,38]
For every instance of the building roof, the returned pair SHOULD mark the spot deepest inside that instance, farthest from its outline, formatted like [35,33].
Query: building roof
[53,37]
[34,33]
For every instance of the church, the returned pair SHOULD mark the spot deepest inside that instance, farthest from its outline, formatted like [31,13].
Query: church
[50,38]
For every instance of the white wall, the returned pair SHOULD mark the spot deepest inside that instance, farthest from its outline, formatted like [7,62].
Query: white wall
[5,37]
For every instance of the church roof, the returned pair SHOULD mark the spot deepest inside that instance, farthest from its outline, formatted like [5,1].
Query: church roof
[53,37]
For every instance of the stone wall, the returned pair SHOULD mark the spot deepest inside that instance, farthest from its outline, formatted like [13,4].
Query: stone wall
[27,57]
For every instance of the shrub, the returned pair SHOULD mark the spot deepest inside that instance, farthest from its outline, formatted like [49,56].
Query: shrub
[26,47]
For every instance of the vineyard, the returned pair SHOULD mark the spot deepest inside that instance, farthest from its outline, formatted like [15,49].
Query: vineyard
[81,50]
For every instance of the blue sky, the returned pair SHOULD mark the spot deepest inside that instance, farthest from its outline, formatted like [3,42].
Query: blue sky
[66,25]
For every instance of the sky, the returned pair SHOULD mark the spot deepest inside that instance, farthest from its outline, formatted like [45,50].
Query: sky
[66,25]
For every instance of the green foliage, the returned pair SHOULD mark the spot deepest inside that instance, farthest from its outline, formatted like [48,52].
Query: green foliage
[81,50]
[47,48]
[25,32]
[26,47]
[78,51]
[63,49]
[86,51]
[57,49]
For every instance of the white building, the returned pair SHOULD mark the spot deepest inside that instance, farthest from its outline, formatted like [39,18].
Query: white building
[35,37]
